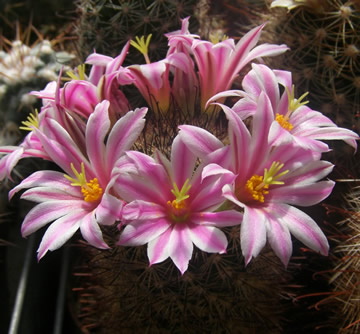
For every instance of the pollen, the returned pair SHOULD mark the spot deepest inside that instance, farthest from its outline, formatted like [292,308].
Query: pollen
[257,193]
[258,186]
[283,122]
[92,190]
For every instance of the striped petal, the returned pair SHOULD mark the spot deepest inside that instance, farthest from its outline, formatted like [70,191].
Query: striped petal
[252,233]
[59,232]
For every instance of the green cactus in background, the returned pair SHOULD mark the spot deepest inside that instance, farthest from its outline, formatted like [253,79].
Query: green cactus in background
[106,25]
[23,69]
[324,40]
[119,292]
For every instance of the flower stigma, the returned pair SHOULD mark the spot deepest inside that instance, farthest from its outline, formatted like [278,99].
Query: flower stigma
[142,46]
[80,75]
[178,207]
[91,190]
[215,38]
[258,185]
[293,105]
[31,123]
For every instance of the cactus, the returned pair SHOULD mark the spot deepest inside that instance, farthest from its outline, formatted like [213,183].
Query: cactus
[24,69]
[106,25]
[324,39]
[119,292]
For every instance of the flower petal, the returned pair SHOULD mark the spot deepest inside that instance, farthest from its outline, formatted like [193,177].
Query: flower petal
[140,232]
[303,228]
[157,250]
[252,233]
[59,232]
[220,219]
[180,246]
[208,238]
[91,232]
[46,212]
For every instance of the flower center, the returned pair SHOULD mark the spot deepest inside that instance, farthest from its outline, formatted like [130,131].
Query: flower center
[178,209]
[91,190]
[294,104]
[258,185]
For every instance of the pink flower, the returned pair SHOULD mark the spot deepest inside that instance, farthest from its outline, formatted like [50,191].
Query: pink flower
[269,181]
[171,207]
[292,121]
[219,64]
[82,198]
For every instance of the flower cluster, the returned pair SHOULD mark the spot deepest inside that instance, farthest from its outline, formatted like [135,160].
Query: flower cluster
[268,164]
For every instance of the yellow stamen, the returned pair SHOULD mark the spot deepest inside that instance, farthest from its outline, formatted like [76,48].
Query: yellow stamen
[80,75]
[178,206]
[292,106]
[258,185]
[142,46]
[31,123]
[295,103]
[215,38]
[91,190]
[284,123]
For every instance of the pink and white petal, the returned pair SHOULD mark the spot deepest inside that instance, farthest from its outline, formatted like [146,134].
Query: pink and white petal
[59,232]
[182,160]
[157,250]
[310,172]
[224,94]
[269,83]
[331,133]
[44,213]
[180,246]
[8,163]
[98,59]
[228,193]
[279,238]
[143,210]
[303,228]
[214,169]
[199,141]
[123,135]
[91,231]
[109,210]
[252,233]
[278,135]
[154,173]
[245,108]
[46,178]
[208,238]
[219,219]
[242,48]
[240,143]
[265,50]
[43,194]
[262,120]
[97,129]
[140,232]
[131,187]
[302,195]
[209,195]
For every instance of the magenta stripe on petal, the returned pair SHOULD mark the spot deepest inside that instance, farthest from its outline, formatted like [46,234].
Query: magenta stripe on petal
[180,246]
[141,232]
[157,248]
[252,233]
[208,238]
[59,232]
[91,232]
